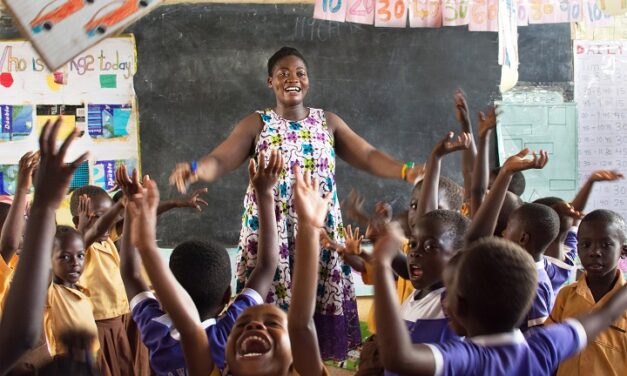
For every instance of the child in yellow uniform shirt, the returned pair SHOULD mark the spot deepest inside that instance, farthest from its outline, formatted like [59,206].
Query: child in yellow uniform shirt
[94,214]
[68,306]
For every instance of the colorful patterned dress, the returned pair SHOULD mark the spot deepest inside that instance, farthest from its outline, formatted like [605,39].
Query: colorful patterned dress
[308,143]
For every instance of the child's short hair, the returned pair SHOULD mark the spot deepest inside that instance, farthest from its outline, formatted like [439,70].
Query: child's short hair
[541,222]
[510,204]
[608,217]
[63,231]
[90,190]
[456,223]
[498,280]
[518,183]
[280,54]
[204,270]
[565,221]
[448,191]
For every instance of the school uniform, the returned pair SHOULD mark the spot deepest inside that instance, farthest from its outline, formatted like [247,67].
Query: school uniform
[163,340]
[563,271]
[68,309]
[606,354]
[6,274]
[510,353]
[425,319]
[102,277]
[542,302]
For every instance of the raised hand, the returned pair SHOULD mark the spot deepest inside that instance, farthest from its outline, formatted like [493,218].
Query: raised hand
[143,209]
[182,176]
[605,175]
[27,166]
[447,145]
[487,122]
[311,208]
[415,174]
[519,162]
[123,181]
[461,109]
[354,207]
[565,209]
[389,241]
[193,200]
[352,241]
[84,214]
[328,243]
[265,176]
[54,175]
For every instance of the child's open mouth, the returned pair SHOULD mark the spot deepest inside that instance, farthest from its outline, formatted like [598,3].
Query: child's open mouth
[254,346]
[415,271]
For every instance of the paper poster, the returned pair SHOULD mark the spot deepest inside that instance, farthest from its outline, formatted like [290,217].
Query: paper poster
[17,122]
[523,12]
[62,29]
[601,96]
[455,12]
[330,10]
[613,7]
[103,172]
[483,15]
[425,13]
[390,13]
[538,118]
[508,44]
[93,93]
[593,15]
[360,11]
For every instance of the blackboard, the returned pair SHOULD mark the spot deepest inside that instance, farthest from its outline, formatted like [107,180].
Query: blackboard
[202,67]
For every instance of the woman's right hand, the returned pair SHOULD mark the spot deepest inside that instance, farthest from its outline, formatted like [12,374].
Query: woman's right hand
[182,176]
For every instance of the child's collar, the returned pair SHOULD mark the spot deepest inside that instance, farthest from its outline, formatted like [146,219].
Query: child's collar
[515,337]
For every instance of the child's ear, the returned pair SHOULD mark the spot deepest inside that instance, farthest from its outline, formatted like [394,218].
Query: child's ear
[524,239]
[269,82]
[75,220]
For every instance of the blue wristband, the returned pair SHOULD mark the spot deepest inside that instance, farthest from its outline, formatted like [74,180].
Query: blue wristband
[193,166]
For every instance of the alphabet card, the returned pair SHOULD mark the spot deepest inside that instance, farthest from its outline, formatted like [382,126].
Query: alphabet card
[61,29]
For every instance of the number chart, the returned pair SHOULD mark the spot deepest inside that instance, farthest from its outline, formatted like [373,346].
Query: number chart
[600,93]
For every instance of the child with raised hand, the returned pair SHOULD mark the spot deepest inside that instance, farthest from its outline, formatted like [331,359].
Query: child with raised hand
[470,153]
[20,327]
[13,224]
[94,214]
[311,209]
[532,226]
[481,169]
[203,271]
[602,240]
[68,306]
[581,199]
[491,291]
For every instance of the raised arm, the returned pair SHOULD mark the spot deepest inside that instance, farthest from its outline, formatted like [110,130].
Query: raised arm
[264,177]
[130,262]
[311,210]
[359,153]
[484,222]
[95,229]
[172,296]
[429,192]
[481,170]
[226,157]
[192,201]
[469,155]
[13,227]
[20,327]
[580,201]
[398,354]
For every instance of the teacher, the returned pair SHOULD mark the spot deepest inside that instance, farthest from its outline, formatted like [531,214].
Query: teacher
[311,138]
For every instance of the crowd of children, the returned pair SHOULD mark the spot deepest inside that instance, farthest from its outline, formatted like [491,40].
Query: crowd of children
[468,281]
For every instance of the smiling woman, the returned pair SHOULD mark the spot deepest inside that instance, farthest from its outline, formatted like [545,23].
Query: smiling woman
[310,138]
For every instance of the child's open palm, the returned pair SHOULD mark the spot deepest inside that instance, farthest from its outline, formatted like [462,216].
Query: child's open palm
[519,162]
[311,208]
[143,210]
[28,164]
[447,145]
[352,241]
[389,241]
[54,175]
[605,175]
[487,122]
[123,181]
[265,176]
[461,107]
